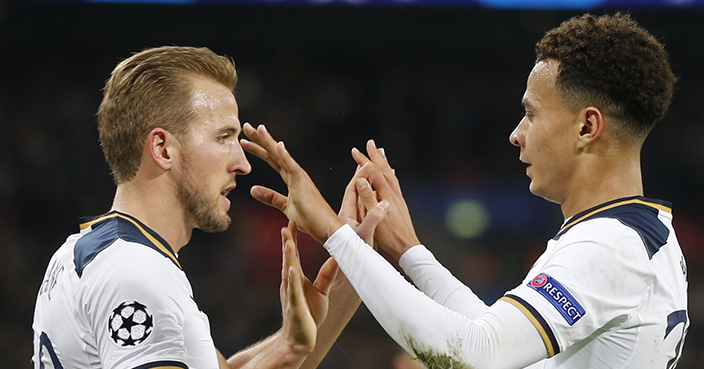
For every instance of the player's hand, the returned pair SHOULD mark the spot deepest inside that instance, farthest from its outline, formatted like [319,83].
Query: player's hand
[304,304]
[304,203]
[395,234]
[363,218]
[343,299]
[359,209]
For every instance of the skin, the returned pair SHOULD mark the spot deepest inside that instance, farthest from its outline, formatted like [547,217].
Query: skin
[211,158]
[573,158]
[201,168]
[544,136]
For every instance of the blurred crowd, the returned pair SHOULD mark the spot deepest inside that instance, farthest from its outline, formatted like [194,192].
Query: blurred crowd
[438,88]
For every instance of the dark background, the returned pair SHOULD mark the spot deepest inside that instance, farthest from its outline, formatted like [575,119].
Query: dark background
[439,88]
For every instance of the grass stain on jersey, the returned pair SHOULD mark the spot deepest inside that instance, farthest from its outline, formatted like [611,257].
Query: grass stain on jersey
[436,360]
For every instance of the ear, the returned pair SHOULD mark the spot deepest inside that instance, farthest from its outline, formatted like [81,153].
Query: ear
[591,126]
[162,147]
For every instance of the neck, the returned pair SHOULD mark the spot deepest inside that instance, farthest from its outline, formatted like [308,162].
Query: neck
[157,208]
[603,180]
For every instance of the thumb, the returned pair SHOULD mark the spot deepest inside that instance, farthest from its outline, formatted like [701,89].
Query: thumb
[269,197]
[374,216]
[326,276]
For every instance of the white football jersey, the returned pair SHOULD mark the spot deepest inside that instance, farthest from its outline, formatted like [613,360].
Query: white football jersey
[610,291]
[114,296]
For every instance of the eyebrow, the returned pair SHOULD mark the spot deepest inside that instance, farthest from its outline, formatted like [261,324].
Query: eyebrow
[229,129]
[525,103]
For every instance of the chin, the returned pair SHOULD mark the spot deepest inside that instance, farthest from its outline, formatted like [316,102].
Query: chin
[215,223]
[544,193]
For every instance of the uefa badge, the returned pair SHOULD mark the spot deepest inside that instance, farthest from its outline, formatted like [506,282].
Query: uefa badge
[130,324]
[539,281]
[565,303]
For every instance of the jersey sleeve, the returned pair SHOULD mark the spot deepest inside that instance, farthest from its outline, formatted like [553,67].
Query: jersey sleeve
[133,302]
[500,337]
[434,280]
[594,281]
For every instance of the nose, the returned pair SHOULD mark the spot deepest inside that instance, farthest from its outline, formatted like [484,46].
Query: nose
[516,138]
[239,164]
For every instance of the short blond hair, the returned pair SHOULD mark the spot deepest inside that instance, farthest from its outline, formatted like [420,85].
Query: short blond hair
[152,89]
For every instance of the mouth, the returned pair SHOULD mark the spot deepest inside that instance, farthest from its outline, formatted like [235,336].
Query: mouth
[527,163]
[227,190]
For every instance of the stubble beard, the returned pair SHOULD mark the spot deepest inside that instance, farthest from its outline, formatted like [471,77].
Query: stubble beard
[196,203]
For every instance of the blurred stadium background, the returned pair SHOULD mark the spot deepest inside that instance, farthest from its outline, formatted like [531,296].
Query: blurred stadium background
[437,83]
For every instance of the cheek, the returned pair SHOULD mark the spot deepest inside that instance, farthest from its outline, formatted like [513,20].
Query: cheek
[213,160]
[201,172]
[545,143]
[536,144]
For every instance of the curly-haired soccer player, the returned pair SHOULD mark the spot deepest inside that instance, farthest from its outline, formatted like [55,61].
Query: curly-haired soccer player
[610,290]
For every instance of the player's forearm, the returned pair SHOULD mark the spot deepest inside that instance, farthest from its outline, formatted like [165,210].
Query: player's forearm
[502,337]
[274,352]
[384,292]
[241,358]
[439,284]
[344,302]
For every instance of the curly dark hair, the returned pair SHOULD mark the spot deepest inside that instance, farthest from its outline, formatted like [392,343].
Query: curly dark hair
[614,64]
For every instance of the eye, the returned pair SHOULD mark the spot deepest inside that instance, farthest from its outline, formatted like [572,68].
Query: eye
[224,137]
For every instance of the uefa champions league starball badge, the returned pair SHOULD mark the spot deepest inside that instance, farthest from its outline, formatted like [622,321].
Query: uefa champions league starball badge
[130,324]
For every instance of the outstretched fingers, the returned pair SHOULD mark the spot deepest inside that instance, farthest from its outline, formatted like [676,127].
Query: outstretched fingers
[285,264]
[302,327]
[263,145]
[349,210]
[378,157]
[376,168]
[359,157]
[289,251]
[287,162]
[299,323]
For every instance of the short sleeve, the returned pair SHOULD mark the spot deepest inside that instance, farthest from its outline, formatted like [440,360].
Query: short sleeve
[135,300]
[594,280]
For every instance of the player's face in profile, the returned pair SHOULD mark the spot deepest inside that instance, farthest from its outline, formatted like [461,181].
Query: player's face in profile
[211,156]
[544,135]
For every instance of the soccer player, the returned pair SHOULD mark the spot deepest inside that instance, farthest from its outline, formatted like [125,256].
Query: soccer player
[610,290]
[114,295]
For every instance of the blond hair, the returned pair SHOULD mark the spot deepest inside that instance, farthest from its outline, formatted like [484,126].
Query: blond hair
[152,89]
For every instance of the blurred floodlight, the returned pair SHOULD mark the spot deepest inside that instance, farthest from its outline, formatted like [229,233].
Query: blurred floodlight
[467,218]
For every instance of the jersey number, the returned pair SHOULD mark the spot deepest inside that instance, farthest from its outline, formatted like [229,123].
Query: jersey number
[675,318]
[45,342]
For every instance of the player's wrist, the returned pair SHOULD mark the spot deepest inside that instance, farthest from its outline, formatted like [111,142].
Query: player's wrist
[397,243]
[290,353]
[401,248]
[333,225]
